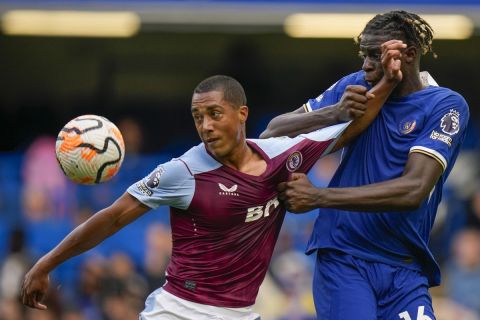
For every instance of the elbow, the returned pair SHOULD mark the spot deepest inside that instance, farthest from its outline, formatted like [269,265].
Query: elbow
[411,204]
[266,134]
[416,196]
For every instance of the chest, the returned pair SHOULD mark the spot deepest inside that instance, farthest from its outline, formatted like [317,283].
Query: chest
[223,199]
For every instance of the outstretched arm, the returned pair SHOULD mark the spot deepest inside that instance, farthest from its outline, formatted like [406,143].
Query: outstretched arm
[401,194]
[86,236]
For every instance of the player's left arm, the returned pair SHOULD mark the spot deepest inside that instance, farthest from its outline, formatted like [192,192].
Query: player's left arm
[401,194]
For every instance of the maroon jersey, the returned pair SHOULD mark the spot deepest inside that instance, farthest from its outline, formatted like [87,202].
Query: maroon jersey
[224,222]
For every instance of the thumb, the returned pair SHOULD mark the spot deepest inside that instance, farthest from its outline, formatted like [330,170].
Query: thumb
[296,176]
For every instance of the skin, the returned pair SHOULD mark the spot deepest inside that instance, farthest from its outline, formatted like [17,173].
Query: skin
[404,193]
[220,125]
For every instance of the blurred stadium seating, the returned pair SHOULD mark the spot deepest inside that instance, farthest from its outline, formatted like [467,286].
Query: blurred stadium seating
[143,80]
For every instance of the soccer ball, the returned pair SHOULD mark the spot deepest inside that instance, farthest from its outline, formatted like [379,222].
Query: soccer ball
[90,149]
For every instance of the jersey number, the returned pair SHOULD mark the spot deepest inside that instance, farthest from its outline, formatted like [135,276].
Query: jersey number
[420,316]
[255,213]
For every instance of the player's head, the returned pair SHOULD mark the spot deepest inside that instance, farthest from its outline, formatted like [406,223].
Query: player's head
[219,111]
[399,25]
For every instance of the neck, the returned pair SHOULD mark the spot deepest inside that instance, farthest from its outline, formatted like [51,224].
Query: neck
[246,160]
[238,157]
[411,83]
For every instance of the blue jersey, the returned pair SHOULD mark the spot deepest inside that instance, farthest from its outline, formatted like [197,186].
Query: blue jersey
[431,121]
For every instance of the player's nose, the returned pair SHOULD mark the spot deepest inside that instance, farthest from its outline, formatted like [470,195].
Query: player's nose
[368,65]
[207,124]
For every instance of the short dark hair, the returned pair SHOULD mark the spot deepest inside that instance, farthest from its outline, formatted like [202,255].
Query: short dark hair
[232,90]
[416,30]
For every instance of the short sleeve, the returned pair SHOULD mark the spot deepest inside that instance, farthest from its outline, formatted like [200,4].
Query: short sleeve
[170,184]
[327,98]
[333,94]
[444,130]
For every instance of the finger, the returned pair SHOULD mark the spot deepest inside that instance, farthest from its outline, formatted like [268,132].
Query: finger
[37,297]
[370,96]
[356,89]
[391,55]
[296,176]
[395,44]
[356,113]
[358,106]
[281,186]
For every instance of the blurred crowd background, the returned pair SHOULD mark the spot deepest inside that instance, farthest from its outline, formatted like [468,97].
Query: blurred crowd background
[143,82]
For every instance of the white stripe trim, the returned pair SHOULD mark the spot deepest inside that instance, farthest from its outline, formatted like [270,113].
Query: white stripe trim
[433,152]
[308,107]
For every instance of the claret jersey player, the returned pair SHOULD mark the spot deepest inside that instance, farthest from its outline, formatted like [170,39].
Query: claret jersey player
[224,222]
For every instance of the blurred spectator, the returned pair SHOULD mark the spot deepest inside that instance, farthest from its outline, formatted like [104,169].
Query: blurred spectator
[132,135]
[293,271]
[14,266]
[463,273]
[157,254]
[92,272]
[45,189]
[473,214]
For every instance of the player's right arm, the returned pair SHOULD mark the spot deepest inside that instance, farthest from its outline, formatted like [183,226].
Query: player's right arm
[356,103]
[351,106]
[100,226]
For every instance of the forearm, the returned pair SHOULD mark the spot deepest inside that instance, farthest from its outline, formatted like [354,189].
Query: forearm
[84,237]
[394,195]
[96,229]
[293,124]
[381,93]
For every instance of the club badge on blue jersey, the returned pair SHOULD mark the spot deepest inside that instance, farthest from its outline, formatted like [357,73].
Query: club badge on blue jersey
[407,125]
[294,161]
[450,122]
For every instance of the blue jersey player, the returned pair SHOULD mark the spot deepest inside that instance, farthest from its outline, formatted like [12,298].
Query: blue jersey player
[371,235]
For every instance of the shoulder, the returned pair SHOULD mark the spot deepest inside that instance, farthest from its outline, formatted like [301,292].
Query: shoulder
[350,79]
[444,99]
[356,78]
[197,160]
[274,146]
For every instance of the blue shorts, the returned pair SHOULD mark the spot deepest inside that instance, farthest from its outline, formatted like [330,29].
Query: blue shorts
[348,288]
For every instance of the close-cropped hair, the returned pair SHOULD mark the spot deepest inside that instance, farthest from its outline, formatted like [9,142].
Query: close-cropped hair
[233,92]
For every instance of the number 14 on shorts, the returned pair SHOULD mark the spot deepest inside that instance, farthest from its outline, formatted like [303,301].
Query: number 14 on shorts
[420,316]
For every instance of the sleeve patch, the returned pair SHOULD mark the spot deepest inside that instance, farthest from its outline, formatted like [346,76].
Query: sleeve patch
[450,122]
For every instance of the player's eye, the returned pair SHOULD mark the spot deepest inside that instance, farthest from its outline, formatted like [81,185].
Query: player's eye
[216,114]
[375,56]
[197,117]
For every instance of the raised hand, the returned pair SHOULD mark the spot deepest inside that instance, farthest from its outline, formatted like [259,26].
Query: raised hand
[391,59]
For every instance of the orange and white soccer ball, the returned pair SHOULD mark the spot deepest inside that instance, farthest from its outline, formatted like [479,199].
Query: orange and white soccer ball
[90,149]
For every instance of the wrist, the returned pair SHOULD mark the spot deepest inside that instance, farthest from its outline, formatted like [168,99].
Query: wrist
[43,265]
[320,199]
[336,114]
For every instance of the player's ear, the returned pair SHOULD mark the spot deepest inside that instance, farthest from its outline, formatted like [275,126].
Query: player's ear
[243,114]
[410,54]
